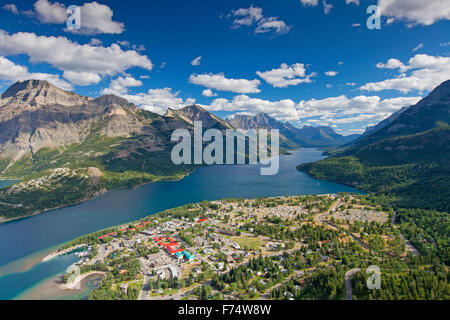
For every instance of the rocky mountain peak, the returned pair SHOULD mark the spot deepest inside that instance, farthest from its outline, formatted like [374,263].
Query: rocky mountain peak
[40,92]
[111,99]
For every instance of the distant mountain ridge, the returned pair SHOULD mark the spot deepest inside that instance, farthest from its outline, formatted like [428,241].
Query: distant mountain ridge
[197,113]
[35,115]
[425,115]
[300,137]
[406,156]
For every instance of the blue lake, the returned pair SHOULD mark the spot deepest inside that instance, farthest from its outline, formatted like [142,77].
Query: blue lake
[22,238]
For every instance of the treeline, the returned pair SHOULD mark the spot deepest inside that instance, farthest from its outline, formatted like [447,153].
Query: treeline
[428,231]
[430,284]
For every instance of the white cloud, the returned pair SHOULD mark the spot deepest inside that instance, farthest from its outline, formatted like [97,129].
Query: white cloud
[208,93]
[420,46]
[74,59]
[283,109]
[272,24]
[158,100]
[196,61]
[416,11]
[10,71]
[327,7]
[338,110]
[390,21]
[352,84]
[246,16]
[47,12]
[309,3]
[356,25]
[96,18]
[82,78]
[344,110]
[11,7]
[120,85]
[446,44]
[286,75]
[331,73]
[124,43]
[422,72]
[253,16]
[221,83]
[329,85]
[352,1]
[95,42]
[392,64]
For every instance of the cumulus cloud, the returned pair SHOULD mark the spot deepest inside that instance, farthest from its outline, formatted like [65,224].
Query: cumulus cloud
[286,75]
[11,8]
[196,61]
[356,111]
[272,24]
[221,83]
[283,109]
[120,85]
[208,93]
[82,78]
[47,12]
[77,61]
[246,16]
[95,42]
[326,6]
[422,72]
[416,11]
[331,73]
[309,3]
[96,18]
[253,16]
[10,71]
[333,110]
[158,100]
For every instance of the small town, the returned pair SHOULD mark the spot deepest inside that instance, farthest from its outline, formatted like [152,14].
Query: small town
[268,248]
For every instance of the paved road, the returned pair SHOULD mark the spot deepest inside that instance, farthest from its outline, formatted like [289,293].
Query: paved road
[143,295]
[297,273]
[348,283]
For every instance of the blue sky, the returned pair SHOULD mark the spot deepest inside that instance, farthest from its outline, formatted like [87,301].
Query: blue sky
[294,59]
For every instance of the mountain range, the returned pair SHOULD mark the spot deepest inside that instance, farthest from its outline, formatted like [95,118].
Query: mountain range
[66,148]
[90,145]
[406,156]
[290,135]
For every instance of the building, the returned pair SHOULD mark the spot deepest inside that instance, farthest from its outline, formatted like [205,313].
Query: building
[227,229]
[188,255]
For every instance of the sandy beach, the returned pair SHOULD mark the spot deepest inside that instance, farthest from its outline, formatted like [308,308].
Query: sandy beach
[76,282]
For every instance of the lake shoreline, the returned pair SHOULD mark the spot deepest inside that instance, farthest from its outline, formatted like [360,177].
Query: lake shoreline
[49,232]
[96,195]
